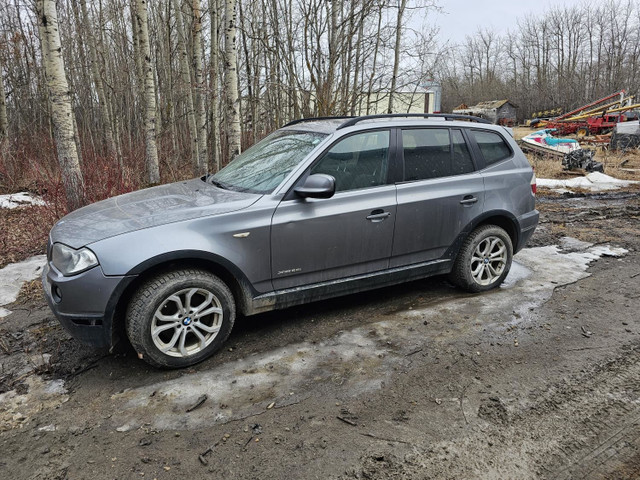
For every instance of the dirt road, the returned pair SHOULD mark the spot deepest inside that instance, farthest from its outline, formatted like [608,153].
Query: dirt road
[540,379]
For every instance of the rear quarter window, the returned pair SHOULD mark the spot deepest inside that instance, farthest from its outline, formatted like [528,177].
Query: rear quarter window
[493,147]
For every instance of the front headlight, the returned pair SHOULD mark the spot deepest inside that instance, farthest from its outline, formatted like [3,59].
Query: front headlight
[70,261]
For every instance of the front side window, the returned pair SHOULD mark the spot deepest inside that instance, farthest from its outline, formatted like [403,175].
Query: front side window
[493,147]
[358,161]
[264,166]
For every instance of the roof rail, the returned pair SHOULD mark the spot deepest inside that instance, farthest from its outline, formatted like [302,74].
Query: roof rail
[447,116]
[312,119]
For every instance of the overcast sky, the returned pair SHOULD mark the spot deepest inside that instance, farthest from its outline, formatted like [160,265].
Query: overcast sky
[463,17]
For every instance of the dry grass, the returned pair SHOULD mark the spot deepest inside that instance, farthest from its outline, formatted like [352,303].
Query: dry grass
[519,132]
[31,294]
[547,167]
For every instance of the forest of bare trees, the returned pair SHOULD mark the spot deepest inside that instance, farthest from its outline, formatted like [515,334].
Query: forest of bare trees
[144,91]
[560,58]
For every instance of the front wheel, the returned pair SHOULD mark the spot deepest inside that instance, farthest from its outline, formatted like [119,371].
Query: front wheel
[484,259]
[179,318]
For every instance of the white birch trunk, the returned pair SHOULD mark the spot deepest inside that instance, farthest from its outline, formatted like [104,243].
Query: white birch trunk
[60,101]
[214,17]
[201,114]
[4,121]
[231,80]
[149,92]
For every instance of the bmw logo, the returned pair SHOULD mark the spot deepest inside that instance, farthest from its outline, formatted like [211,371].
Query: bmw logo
[186,321]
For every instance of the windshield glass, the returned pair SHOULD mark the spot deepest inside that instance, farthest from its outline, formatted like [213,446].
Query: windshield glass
[261,168]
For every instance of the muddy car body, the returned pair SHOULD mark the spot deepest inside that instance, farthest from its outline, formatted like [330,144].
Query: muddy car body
[321,208]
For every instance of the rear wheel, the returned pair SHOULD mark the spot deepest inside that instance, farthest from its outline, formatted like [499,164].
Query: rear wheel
[179,318]
[484,260]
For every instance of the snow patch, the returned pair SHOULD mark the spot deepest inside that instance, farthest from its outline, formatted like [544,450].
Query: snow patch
[246,387]
[22,199]
[595,182]
[14,275]
[570,244]
[17,410]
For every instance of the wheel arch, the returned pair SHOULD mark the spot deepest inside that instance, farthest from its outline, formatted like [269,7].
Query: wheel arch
[504,220]
[230,274]
[500,218]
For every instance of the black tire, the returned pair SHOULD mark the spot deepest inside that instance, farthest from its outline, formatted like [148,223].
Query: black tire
[493,271]
[163,305]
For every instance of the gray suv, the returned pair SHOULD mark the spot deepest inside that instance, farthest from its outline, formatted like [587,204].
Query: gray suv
[320,208]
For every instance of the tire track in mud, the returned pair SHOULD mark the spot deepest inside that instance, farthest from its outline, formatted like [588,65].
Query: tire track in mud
[585,427]
[606,406]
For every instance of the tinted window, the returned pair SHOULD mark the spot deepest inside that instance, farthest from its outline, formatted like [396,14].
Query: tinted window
[462,162]
[492,145]
[358,161]
[427,153]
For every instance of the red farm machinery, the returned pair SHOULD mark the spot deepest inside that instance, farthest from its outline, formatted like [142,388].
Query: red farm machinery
[595,118]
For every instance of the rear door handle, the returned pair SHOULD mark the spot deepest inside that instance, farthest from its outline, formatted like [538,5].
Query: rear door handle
[468,200]
[378,215]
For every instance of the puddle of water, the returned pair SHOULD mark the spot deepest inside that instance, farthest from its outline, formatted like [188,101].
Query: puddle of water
[517,273]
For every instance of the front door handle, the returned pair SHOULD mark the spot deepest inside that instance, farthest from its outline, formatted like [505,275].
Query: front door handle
[468,200]
[378,215]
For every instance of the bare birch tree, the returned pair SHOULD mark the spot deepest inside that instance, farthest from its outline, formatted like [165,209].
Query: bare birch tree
[149,93]
[201,114]
[214,19]
[4,121]
[60,100]
[231,81]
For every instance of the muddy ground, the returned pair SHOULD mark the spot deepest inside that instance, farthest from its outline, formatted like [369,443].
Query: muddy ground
[539,379]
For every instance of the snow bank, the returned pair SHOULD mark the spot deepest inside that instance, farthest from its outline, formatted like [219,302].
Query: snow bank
[595,181]
[14,275]
[15,200]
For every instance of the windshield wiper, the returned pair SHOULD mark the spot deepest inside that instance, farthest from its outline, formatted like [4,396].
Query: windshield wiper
[218,184]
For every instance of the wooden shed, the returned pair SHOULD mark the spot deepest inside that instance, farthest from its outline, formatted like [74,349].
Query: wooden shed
[501,112]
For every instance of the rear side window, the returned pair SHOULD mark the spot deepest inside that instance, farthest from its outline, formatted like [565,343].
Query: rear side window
[434,153]
[493,147]
[462,162]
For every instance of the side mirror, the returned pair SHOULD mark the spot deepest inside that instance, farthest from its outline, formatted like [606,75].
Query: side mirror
[318,185]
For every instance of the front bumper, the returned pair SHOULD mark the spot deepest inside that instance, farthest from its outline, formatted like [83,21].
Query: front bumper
[85,303]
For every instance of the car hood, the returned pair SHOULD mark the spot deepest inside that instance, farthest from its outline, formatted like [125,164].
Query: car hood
[147,208]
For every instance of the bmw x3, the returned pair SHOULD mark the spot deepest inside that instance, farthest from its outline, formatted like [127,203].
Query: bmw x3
[319,208]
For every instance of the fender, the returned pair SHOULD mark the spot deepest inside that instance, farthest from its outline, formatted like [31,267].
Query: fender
[510,222]
[245,291]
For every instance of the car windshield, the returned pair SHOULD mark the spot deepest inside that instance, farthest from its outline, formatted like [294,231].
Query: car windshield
[261,168]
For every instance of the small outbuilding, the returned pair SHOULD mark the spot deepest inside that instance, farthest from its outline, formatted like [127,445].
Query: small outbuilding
[500,112]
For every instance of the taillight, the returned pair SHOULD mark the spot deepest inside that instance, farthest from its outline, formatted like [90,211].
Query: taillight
[534,188]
